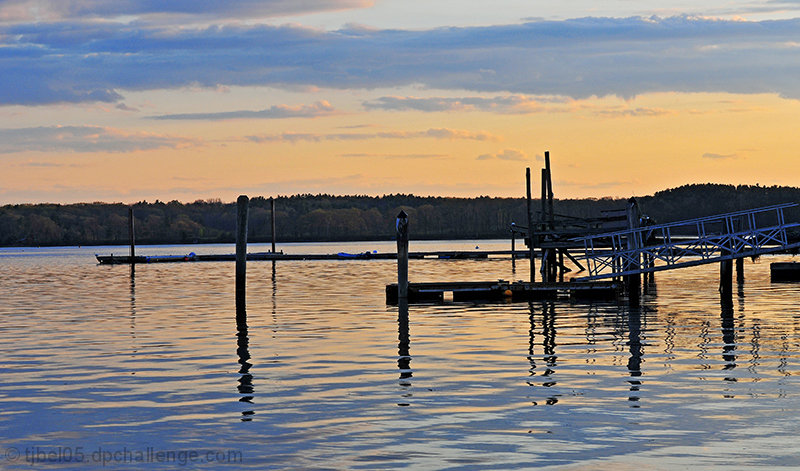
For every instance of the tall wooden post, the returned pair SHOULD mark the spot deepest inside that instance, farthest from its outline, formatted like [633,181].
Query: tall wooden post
[272,205]
[402,255]
[544,198]
[242,204]
[544,218]
[513,244]
[726,280]
[131,234]
[551,212]
[740,270]
[552,264]
[531,255]
[633,282]
[513,241]
[739,226]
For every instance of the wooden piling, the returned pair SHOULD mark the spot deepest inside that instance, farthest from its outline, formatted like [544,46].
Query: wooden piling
[131,235]
[544,199]
[740,270]
[726,280]
[401,227]
[551,211]
[531,255]
[545,258]
[513,245]
[242,204]
[272,206]
[633,282]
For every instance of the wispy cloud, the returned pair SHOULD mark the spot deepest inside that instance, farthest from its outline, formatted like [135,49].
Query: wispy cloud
[394,156]
[633,112]
[711,155]
[508,104]
[98,61]
[433,133]
[507,154]
[83,139]
[49,10]
[316,110]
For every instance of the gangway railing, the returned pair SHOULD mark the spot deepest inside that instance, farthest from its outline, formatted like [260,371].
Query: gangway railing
[710,239]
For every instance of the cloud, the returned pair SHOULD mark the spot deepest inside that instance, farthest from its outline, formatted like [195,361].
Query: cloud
[507,154]
[49,10]
[710,155]
[80,60]
[509,104]
[433,133]
[395,156]
[633,113]
[318,109]
[83,139]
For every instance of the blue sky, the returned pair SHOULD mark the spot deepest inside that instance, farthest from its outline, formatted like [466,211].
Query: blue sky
[92,86]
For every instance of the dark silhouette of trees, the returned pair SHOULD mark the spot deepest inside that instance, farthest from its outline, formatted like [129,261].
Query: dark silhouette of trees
[326,217]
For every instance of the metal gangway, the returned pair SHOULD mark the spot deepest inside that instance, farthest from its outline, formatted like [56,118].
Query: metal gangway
[700,241]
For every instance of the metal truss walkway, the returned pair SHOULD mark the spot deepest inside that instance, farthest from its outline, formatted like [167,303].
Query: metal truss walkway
[688,243]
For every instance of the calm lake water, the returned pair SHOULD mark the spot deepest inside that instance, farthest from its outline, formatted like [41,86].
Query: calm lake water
[150,369]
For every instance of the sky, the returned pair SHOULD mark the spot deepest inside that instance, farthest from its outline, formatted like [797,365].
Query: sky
[131,100]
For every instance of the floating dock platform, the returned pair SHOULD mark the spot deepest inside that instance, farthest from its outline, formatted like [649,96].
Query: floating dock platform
[501,290]
[784,271]
[278,256]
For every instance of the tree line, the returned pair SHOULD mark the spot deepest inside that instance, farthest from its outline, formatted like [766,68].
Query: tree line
[335,218]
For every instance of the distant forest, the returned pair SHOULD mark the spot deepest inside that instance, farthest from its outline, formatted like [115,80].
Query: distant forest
[337,218]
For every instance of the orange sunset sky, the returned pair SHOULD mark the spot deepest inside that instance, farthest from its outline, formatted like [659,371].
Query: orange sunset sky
[122,101]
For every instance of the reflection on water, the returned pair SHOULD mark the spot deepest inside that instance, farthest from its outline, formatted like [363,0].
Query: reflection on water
[243,351]
[404,344]
[636,350]
[322,374]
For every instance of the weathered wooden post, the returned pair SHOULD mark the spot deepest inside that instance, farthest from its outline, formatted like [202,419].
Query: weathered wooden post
[531,255]
[545,257]
[633,282]
[740,270]
[272,205]
[551,211]
[402,255]
[739,225]
[513,240]
[513,244]
[726,279]
[241,250]
[131,234]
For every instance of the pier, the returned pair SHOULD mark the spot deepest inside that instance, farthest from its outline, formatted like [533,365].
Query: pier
[280,256]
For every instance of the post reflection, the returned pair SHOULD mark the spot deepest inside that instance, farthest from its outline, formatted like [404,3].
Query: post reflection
[636,350]
[243,351]
[404,344]
[728,339]
[274,294]
[133,299]
[134,349]
[531,341]
[549,356]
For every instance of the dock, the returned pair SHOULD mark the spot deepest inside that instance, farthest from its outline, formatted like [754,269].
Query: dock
[280,256]
[504,291]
